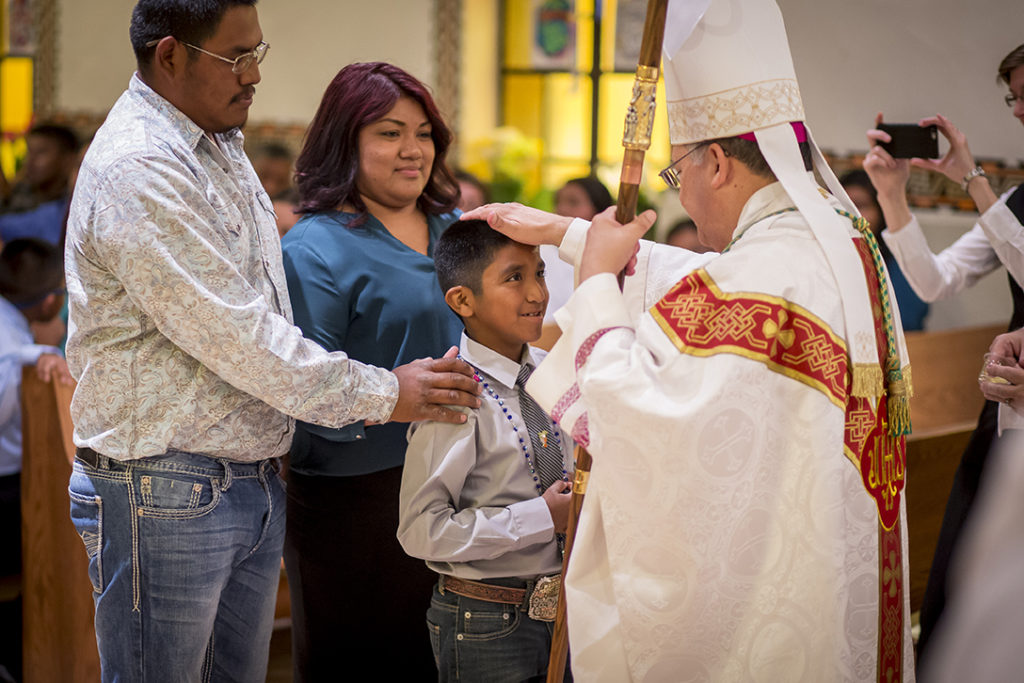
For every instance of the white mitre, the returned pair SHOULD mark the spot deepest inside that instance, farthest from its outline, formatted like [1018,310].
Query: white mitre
[728,72]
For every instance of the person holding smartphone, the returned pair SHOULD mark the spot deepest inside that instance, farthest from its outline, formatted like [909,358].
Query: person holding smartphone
[996,239]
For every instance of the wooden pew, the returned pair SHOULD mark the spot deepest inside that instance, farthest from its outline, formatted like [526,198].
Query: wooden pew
[59,641]
[944,411]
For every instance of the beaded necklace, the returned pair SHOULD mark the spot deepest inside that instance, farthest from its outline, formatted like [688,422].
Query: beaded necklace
[523,443]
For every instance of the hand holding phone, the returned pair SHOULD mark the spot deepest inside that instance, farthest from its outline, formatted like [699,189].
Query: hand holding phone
[909,140]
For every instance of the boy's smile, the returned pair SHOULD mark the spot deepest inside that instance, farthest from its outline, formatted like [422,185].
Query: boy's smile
[509,309]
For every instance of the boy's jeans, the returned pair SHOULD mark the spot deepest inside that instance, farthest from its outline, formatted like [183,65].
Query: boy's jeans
[480,642]
[184,558]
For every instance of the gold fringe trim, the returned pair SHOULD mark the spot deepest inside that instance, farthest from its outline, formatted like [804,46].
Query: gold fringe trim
[899,415]
[868,380]
[900,391]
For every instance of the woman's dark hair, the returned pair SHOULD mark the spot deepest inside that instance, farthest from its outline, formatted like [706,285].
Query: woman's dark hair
[1011,62]
[189,21]
[597,193]
[325,171]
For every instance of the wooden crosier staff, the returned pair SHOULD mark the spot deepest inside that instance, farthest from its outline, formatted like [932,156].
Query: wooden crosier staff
[636,139]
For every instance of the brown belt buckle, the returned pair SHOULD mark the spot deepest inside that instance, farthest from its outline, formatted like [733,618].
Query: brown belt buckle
[544,598]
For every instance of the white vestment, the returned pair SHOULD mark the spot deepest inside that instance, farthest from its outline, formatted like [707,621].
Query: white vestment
[725,535]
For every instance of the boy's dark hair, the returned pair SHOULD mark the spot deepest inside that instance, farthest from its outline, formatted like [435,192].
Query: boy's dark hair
[464,251]
[30,269]
[62,135]
[189,21]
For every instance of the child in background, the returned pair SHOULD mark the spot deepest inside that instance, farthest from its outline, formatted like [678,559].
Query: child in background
[31,290]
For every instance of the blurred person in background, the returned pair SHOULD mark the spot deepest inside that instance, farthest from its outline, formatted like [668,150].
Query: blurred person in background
[684,235]
[578,198]
[472,191]
[35,205]
[863,194]
[996,239]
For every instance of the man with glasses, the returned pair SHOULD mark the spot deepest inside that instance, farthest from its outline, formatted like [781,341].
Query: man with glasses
[745,411]
[190,373]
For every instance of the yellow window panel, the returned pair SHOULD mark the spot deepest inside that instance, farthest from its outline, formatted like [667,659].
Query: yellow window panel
[566,117]
[616,90]
[518,34]
[15,95]
[522,98]
[556,173]
[12,153]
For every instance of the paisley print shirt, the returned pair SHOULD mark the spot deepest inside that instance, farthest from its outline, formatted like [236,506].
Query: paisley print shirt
[180,326]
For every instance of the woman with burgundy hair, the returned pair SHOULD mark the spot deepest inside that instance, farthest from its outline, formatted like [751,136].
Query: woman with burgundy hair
[375,194]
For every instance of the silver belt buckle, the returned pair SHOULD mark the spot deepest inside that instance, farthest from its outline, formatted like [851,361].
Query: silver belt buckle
[544,598]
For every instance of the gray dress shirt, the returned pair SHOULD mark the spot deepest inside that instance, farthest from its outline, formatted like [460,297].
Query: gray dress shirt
[468,504]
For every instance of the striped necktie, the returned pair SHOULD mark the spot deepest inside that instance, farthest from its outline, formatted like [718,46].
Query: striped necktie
[547,455]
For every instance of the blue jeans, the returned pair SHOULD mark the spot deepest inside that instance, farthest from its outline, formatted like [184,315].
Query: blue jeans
[184,558]
[476,641]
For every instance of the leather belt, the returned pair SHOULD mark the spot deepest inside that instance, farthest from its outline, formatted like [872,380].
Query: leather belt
[539,598]
[482,591]
[92,459]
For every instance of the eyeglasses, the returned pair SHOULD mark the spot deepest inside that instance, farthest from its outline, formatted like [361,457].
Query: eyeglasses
[669,173]
[239,64]
[1012,99]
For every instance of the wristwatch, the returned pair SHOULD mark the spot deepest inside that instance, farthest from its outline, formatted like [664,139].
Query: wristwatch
[971,175]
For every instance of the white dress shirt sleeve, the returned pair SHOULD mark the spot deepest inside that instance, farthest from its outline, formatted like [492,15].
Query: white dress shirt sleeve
[940,276]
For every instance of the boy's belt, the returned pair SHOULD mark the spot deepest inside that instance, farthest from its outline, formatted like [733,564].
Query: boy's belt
[482,591]
[540,597]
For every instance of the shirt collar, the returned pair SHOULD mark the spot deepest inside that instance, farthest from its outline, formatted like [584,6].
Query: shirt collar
[499,367]
[186,128]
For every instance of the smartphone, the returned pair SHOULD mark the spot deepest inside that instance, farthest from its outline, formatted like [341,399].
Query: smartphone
[910,140]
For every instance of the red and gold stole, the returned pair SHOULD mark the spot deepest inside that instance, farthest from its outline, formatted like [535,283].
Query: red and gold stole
[702,320]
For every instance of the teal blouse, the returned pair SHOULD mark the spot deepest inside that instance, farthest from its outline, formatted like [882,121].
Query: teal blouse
[357,289]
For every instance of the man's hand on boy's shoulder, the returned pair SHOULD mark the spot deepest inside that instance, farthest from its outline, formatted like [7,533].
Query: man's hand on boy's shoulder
[558,497]
[428,389]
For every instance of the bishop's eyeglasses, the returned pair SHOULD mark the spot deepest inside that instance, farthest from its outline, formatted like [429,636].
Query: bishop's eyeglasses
[669,173]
